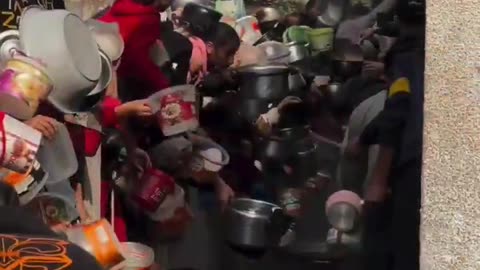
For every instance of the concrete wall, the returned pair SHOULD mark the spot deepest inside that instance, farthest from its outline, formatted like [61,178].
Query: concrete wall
[451,178]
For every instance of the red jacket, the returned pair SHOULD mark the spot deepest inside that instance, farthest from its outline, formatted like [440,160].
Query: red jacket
[140,27]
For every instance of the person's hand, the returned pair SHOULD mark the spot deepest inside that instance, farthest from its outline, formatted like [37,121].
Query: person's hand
[224,193]
[60,228]
[366,34]
[288,101]
[354,148]
[373,68]
[134,108]
[80,204]
[46,125]
[376,193]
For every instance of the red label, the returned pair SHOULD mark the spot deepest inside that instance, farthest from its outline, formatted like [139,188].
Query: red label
[153,190]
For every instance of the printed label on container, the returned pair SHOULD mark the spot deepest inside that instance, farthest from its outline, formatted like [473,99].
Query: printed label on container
[21,145]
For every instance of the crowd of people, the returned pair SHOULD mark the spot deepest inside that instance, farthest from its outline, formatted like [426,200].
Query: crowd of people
[362,93]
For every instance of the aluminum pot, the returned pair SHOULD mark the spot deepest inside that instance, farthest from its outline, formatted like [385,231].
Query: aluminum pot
[264,81]
[333,13]
[346,69]
[69,51]
[251,109]
[248,223]
[268,14]
[296,81]
[272,151]
[98,93]
[298,51]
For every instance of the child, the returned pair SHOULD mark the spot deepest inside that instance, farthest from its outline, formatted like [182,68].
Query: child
[214,53]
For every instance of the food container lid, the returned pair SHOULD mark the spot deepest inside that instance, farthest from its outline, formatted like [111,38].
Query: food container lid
[207,149]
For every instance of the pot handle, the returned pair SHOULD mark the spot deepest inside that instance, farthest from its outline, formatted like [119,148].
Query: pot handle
[277,226]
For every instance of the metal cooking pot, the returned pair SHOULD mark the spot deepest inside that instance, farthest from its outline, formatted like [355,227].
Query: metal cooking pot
[333,13]
[251,109]
[303,160]
[249,223]
[298,51]
[271,152]
[268,14]
[293,133]
[68,50]
[346,69]
[296,82]
[264,81]
[98,93]
[333,89]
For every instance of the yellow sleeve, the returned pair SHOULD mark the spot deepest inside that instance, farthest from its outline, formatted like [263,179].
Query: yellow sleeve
[401,85]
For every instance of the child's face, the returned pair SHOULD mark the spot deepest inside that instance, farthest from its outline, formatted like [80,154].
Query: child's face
[222,57]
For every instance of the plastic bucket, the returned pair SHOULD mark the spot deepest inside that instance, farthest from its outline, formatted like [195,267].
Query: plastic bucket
[58,169]
[297,34]
[248,30]
[204,168]
[154,187]
[176,109]
[320,39]
[99,240]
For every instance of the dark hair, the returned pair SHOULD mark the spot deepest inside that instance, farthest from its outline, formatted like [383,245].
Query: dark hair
[145,2]
[224,36]
[199,20]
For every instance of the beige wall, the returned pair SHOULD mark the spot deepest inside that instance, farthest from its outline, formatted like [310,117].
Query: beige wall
[451,178]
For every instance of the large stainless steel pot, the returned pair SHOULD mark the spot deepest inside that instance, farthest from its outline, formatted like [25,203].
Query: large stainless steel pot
[248,223]
[298,51]
[296,82]
[264,82]
[251,109]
